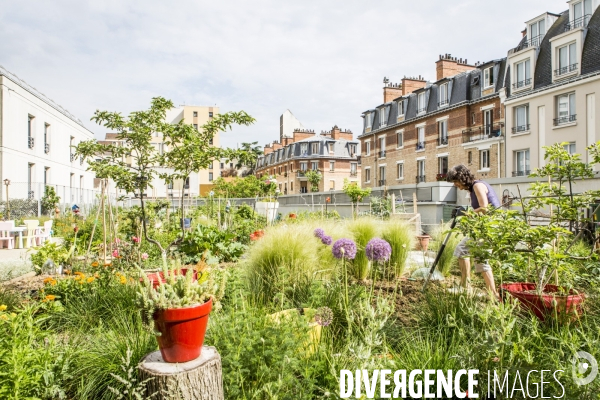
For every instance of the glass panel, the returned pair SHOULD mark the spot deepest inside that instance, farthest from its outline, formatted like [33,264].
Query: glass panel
[542,28]
[534,30]
[520,72]
[572,54]
[587,7]
[562,57]
[521,116]
[577,11]
[526,160]
[527,70]
[421,134]
[563,106]
[572,104]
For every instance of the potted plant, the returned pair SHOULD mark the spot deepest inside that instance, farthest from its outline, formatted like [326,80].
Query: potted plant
[177,309]
[423,242]
[540,250]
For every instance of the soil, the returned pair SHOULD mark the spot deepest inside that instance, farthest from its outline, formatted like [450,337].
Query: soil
[26,284]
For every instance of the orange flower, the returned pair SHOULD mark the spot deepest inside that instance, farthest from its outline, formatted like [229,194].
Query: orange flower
[95,264]
[50,281]
[79,273]
[49,297]
[67,272]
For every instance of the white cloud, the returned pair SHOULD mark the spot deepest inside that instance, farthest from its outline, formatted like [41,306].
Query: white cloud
[325,61]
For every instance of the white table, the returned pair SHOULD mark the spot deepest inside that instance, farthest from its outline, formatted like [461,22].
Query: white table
[19,230]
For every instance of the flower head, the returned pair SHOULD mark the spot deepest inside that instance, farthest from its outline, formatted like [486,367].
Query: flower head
[378,250]
[49,297]
[319,233]
[91,279]
[326,240]
[3,307]
[76,229]
[95,264]
[328,200]
[135,239]
[344,248]
[324,316]
[115,253]
[144,256]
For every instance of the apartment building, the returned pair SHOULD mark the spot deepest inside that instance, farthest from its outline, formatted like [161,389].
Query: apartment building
[422,128]
[199,182]
[36,140]
[552,78]
[333,153]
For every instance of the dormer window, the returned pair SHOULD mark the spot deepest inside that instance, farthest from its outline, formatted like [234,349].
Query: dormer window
[581,12]
[421,107]
[400,108]
[488,77]
[368,122]
[382,117]
[304,149]
[537,30]
[314,148]
[522,74]
[443,95]
[567,59]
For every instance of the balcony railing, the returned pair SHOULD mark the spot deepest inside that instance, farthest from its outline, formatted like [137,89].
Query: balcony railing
[565,120]
[533,42]
[382,182]
[420,145]
[47,148]
[382,154]
[421,110]
[520,128]
[442,141]
[521,173]
[441,177]
[72,157]
[488,131]
[30,194]
[443,103]
[353,173]
[420,178]
[30,142]
[565,70]
[521,84]
[578,23]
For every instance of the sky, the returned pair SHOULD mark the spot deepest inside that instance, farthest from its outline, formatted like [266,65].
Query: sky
[323,60]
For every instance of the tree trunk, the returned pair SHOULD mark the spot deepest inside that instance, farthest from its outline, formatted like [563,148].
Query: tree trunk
[197,379]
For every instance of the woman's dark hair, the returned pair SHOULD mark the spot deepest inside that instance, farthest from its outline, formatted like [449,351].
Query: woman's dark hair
[462,174]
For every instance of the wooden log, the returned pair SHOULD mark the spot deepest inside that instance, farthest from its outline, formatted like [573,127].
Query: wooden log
[198,379]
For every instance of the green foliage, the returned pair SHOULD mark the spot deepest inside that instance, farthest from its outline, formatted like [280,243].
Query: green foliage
[246,187]
[381,207]
[247,158]
[355,193]
[314,177]
[363,230]
[50,200]
[220,243]
[401,238]
[49,251]
[447,260]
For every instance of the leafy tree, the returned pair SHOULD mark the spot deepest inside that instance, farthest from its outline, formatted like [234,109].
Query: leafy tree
[50,200]
[251,152]
[247,187]
[314,177]
[356,194]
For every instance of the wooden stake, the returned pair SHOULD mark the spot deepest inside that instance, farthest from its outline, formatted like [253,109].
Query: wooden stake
[103,221]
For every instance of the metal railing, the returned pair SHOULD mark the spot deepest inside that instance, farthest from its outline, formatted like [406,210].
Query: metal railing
[47,148]
[353,173]
[521,173]
[565,120]
[443,140]
[420,145]
[30,142]
[565,70]
[520,128]
[72,157]
[483,132]
[382,154]
[533,42]
[578,23]
[441,177]
[443,103]
[420,178]
[30,194]
[522,83]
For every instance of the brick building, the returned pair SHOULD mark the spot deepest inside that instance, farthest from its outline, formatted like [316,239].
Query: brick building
[423,128]
[333,153]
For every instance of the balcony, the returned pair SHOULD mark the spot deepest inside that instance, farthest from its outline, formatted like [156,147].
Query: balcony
[483,132]
[420,178]
[30,142]
[381,154]
[533,42]
[382,182]
[578,23]
[443,103]
[353,173]
[565,70]
[565,120]
[47,148]
[72,157]
[521,84]
[520,128]
[521,173]
[441,177]
[443,141]
[420,146]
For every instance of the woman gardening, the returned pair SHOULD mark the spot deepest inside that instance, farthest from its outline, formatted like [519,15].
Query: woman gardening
[482,195]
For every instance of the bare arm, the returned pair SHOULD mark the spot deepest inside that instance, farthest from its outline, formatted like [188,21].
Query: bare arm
[481,192]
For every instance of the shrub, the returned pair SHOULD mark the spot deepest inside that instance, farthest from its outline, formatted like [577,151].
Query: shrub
[402,239]
[447,260]
[363,230]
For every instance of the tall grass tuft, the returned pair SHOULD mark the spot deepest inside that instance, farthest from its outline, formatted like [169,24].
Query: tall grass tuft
[363,230]
[402,239]
[447,260]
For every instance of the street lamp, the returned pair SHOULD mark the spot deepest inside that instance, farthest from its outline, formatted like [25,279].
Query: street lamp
[7,183]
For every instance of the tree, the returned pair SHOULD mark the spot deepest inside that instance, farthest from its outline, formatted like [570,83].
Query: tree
[251,152]
[50,200]
[247,187]
[356,194]
[314,177]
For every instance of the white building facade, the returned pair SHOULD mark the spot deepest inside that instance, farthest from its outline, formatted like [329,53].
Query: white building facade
[36,145]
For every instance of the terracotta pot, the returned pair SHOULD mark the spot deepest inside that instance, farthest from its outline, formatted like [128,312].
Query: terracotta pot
[157,277]
[182,331]
[547,304]
[423,242]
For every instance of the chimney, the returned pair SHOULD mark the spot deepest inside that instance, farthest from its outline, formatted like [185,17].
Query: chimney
[287,140]
[449,66]
[524,32]
[277,146]
[268,149]
[337,134]
[391,91]
[409,85]
[300,134]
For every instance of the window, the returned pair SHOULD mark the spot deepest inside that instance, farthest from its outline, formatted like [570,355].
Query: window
[400,171]
[210,176]
[421,138]
[470,158]
[367,148]
[382,116]
[367,174]
[382,147]
[421,107]
[210,114]
[484,159]
[196,126]
[567,59]
[488,122]
[195,113]
[211,141]
[170,185]
[537,30]
[523,74]
[314,165]
[291,186]
[304,149]
[443,132]
[570,148]
[314,148]
[368,122]
[488,77]
[382,181]
[222,165]
[30,142]
[331,185]
[521,163]
[353,169]
[472,118]
[303,166]
[443,98]
[46,176]
[521,119]
[331,166]
[443,166]
[46,138]
[400,139]
[420,171]
[582,12]
[400,108]
[565,109]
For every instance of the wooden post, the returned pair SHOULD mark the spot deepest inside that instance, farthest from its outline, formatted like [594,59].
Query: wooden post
[103,221]
[415,203]
[393,203]
[199,379]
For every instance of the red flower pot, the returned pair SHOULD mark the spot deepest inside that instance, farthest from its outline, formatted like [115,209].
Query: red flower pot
[182,332]
[157,277]
[546,304]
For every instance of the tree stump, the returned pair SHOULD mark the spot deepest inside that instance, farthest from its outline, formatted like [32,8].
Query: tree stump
[197,379]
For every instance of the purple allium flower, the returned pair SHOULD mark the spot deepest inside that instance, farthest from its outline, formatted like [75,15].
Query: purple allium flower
[378,250]
[344,248]
[319,233]
[326,240]
[324,316]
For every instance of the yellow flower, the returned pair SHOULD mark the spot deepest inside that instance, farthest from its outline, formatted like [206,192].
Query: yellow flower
[95,264]
[90,279]
[79,273]
[3,307]
[48,280]
[3,317]
[123,280]
[49,297]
